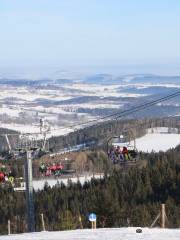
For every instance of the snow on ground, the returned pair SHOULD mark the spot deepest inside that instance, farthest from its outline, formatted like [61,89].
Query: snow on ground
[102,91]
[39,184]
[21,127]
[162,130]
[24,102]
[34,129]
[22,93]
[13,112]
[157,142]
[75,106]
[100,234]
[148,85]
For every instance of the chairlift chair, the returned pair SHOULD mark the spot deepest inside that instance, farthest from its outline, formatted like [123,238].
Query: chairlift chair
[122,149]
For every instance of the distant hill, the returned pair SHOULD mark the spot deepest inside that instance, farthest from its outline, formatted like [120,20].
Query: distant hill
[99,78]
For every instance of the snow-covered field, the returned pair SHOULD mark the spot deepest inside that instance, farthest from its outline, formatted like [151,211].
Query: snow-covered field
[157,142]
[100,234]
[158,139]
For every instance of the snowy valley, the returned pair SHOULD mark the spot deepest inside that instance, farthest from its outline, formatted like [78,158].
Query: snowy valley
[64,102]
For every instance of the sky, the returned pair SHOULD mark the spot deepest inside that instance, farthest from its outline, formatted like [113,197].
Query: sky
[75,34]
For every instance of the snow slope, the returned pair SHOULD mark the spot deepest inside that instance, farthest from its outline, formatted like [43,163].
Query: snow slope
[100,234]
[157,142]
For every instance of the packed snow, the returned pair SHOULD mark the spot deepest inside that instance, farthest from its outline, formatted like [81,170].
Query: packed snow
[100,234]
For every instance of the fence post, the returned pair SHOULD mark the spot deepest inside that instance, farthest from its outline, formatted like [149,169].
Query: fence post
[9,227]
[163,214]
[42,221]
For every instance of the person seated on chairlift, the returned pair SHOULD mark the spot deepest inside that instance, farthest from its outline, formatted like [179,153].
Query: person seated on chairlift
[42,168]
[2,177]
[113,156]
[116,152]
[121,157]
[110,151]
[126,153]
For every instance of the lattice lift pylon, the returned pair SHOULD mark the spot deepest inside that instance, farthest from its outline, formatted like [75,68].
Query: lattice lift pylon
[28,144]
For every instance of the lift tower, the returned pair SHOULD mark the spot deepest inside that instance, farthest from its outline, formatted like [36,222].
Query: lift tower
[29,144]
[29,192]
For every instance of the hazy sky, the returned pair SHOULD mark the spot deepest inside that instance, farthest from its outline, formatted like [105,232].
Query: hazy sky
[63,33]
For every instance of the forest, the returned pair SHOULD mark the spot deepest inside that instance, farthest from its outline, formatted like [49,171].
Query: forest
[101,132]
[98,134]
[123,197]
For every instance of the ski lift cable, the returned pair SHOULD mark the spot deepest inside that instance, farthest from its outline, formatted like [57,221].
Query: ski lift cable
[113,116]
[147,105]
[127,112]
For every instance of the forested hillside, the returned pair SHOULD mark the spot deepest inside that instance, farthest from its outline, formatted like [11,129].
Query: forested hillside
[101,132]
[134,194]
[98,134]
